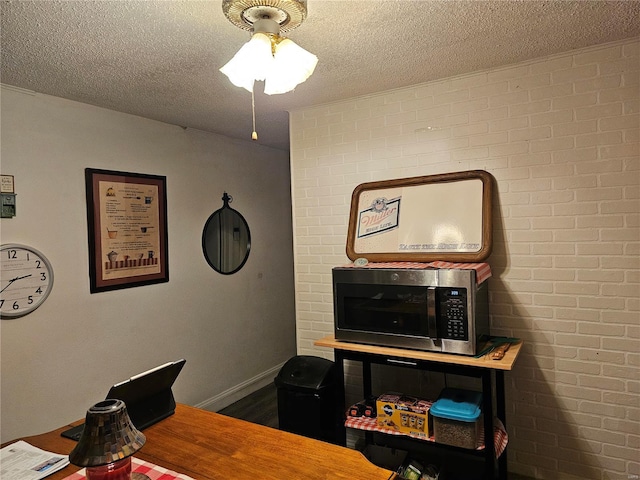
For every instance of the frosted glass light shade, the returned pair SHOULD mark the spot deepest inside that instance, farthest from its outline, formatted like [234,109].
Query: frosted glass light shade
[282,71]
[252,62]
[292,65]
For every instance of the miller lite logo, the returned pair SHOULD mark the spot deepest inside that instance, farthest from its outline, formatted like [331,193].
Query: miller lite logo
[381,216]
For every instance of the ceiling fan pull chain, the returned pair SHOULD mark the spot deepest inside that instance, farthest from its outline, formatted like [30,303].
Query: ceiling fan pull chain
[254,135]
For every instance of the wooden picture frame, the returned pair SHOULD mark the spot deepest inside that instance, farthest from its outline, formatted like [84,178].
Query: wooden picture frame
[423,219]
[127,229]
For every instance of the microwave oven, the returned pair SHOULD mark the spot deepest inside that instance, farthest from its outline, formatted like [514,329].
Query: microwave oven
[435,309]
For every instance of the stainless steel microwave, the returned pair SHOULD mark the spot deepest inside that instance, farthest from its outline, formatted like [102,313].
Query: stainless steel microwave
[438,309]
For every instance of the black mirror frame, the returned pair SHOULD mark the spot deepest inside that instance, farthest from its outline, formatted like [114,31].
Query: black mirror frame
[226,199]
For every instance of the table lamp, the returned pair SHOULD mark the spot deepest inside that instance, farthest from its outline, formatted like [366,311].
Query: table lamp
[108,441]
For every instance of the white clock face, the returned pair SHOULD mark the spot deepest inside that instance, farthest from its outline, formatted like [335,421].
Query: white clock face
[26,279]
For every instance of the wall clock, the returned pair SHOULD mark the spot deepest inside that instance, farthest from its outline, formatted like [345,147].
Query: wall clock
[26,279]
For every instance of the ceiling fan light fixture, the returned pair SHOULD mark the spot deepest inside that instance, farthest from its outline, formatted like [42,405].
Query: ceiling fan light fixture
[268,57]
[284,65]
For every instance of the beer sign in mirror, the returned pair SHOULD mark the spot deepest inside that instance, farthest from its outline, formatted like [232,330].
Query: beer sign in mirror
[422,219]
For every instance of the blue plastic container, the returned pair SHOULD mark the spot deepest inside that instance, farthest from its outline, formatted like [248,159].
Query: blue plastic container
[456,417]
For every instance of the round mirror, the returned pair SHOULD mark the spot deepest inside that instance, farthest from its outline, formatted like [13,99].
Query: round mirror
[226,240]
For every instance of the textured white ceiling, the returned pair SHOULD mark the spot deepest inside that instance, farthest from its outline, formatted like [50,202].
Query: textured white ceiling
[160,58]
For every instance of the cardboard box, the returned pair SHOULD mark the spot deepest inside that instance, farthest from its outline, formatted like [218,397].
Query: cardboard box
[404,414]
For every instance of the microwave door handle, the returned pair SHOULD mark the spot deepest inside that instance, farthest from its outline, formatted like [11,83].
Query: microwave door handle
[432,328]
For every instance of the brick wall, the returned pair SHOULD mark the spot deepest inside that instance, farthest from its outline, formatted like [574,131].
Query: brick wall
[560,135]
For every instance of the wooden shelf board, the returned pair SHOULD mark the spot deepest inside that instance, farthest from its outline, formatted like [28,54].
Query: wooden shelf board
[506,363]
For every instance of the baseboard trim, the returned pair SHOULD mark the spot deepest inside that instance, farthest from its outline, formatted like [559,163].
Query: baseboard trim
[233,394]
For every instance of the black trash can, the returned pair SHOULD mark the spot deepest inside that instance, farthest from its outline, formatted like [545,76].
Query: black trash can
[310,399]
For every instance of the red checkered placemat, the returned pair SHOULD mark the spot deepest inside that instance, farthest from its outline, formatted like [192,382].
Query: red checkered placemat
[483,270]
[154,472]
[500,437]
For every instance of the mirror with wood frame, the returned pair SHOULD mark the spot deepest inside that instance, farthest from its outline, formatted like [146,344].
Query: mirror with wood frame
[423,219]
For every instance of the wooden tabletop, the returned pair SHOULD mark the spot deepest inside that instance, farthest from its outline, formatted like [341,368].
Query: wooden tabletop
[506,363]
[208,446]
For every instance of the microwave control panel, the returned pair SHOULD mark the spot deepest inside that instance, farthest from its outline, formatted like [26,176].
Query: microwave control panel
[452,313]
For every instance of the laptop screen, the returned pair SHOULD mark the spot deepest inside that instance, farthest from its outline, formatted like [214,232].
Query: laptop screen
[148,395]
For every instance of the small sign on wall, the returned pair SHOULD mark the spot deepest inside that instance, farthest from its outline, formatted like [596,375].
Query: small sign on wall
[6,184]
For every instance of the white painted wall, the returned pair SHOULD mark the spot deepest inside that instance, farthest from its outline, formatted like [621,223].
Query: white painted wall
[560,135]
[234,330]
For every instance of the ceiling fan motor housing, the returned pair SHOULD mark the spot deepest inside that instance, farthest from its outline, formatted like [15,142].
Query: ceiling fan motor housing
[288,14]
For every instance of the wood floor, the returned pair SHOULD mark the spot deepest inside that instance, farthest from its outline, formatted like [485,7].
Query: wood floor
[260,407]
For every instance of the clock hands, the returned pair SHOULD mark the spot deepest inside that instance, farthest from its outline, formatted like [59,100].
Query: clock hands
[20,278]
[13,280]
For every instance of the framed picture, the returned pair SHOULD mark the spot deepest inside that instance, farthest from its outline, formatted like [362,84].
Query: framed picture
[127,227]
[422,219]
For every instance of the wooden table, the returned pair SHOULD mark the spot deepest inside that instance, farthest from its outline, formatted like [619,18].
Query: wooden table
[491,373]
[207,446]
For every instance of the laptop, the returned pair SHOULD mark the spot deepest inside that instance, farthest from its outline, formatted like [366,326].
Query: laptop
[148,396]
